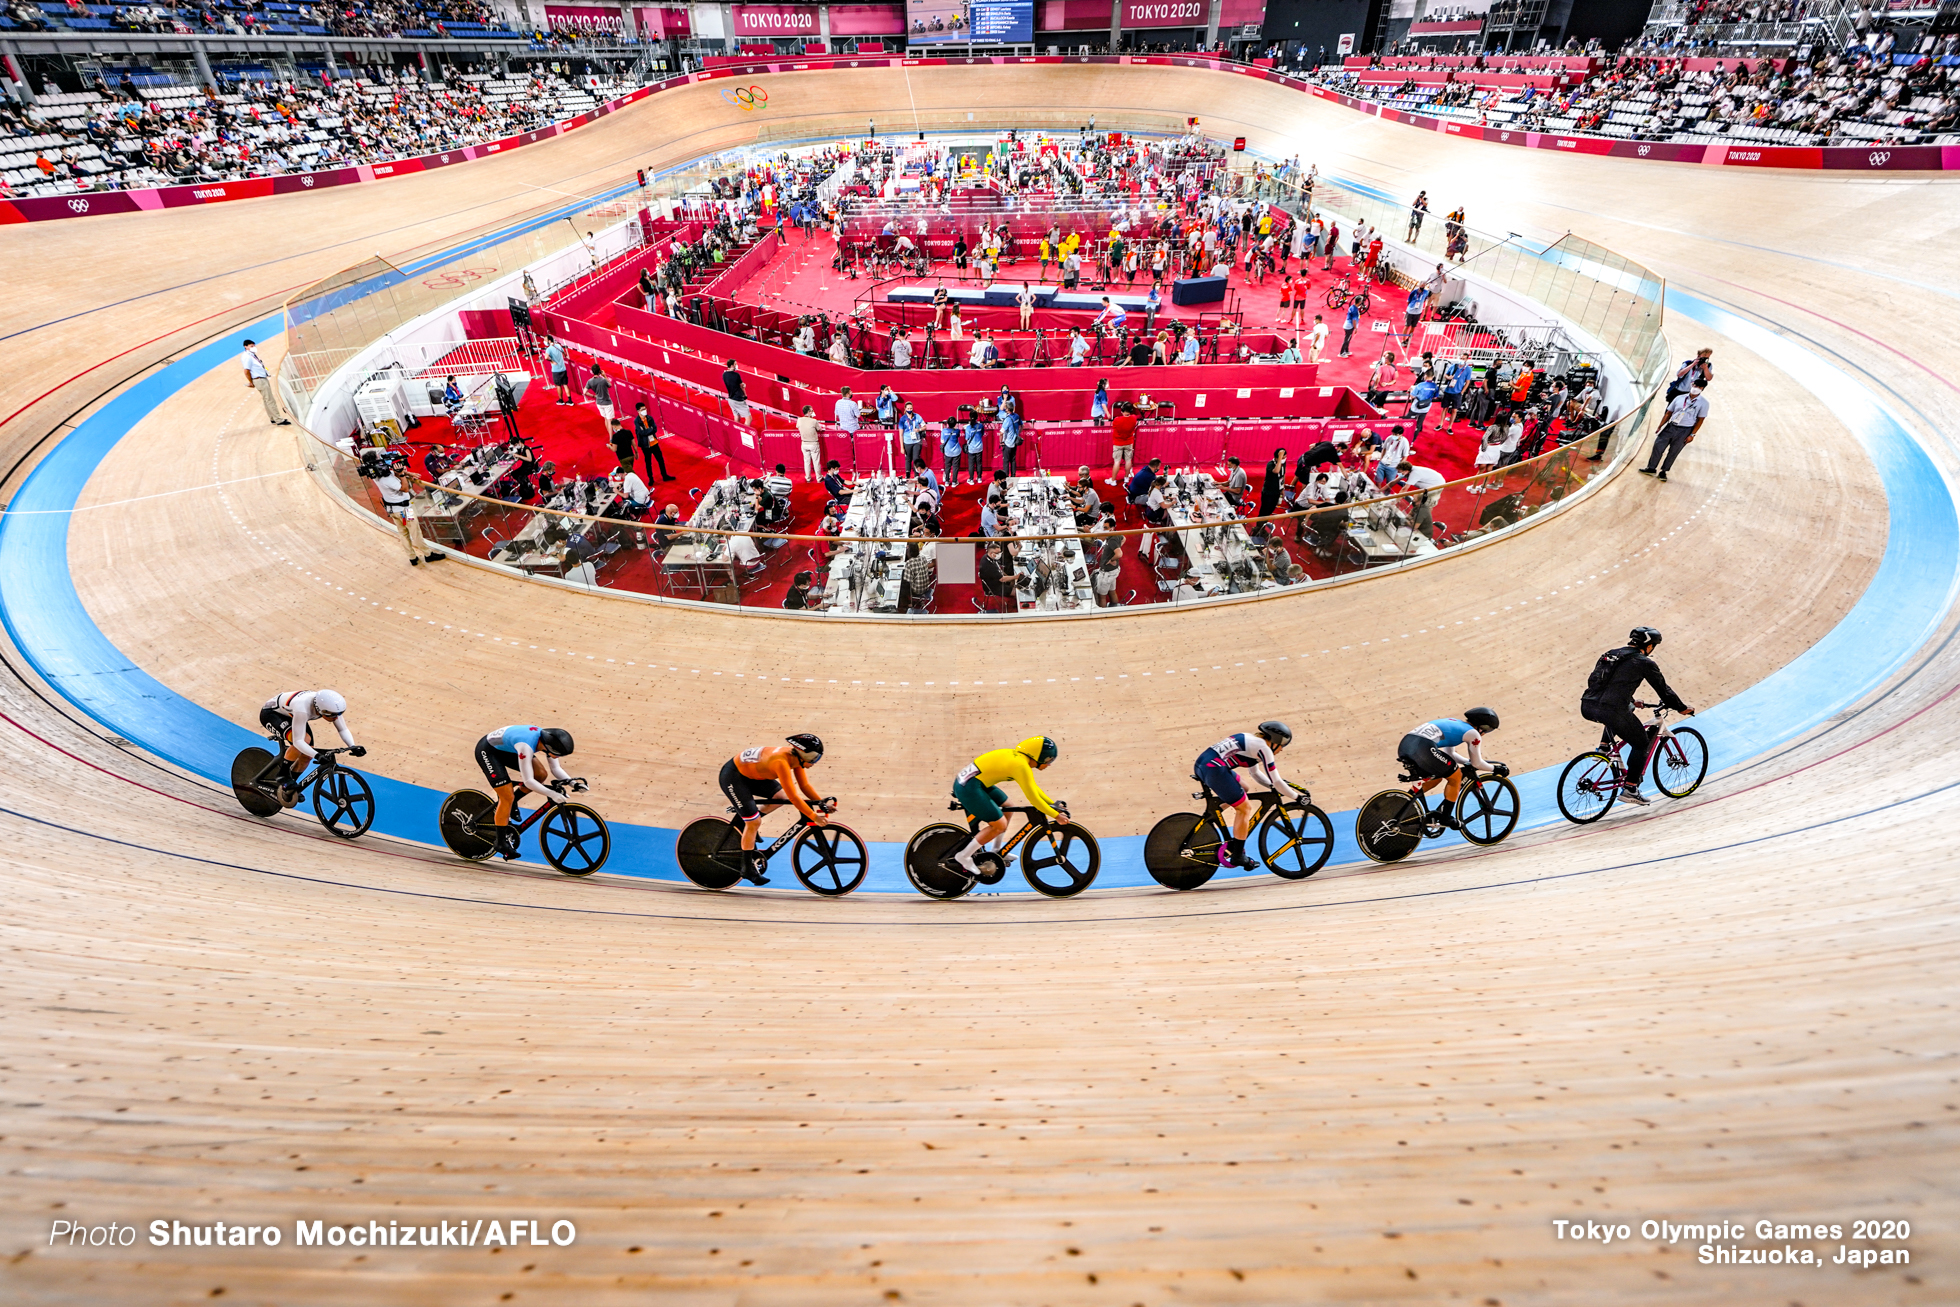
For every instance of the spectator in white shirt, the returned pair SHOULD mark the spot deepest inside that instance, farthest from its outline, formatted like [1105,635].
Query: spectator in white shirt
[901,350]
[848,412]
[840,350]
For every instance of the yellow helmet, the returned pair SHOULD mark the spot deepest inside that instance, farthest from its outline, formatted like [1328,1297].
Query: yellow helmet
[1039,749]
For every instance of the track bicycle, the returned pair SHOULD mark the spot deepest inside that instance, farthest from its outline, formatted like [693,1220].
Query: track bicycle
[1590,784]
[1060,858]
[573,838]
[342,799]
[1339,294]
[1390,826]
[829,860]
[1186,849]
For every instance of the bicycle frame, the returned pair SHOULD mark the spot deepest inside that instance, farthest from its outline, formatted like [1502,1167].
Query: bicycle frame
[796,828]
[535,814]
[322,762]
[1035,823]
[1215,812]
[1656,728]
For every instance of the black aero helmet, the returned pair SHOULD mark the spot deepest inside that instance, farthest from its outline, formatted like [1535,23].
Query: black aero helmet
[555,741]
[1484,719]
[1277,734]
[808,746]
[1643,637]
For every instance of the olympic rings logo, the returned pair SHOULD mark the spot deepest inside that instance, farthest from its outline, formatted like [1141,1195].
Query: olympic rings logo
[1879,158]
[78,206]
[455,279]
[746,98]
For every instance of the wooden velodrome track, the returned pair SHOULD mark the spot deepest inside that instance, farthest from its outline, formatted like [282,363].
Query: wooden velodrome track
[1362,1087]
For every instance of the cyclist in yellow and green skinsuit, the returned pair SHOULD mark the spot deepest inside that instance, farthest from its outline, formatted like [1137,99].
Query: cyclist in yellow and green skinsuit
[977,789]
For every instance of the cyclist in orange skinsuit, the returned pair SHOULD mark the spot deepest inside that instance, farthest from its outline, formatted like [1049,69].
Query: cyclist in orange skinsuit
[766,773]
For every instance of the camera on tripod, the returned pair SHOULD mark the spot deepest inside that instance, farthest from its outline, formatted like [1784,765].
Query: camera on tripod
[378,463]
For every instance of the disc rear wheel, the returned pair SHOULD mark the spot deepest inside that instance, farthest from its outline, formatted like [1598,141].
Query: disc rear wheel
[1389,826]
[246,769]
[926,850]
[464,820]
[710,852]
[1181,851]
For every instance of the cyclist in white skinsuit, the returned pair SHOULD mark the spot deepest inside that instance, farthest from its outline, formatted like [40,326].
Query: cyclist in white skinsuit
[1217,770]
[302,708]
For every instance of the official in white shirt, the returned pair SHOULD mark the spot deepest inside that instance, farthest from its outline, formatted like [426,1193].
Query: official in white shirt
[1395,448]
[811,432]
[1684,418]
[1426,487]
[257,378]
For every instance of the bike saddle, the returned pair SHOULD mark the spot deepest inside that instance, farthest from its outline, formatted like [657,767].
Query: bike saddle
[1408,777]
[954,806]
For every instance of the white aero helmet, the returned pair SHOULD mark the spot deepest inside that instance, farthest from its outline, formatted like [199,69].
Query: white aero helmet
[329,702]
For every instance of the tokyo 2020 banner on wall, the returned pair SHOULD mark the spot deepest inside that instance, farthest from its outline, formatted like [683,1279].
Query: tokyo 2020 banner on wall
[1000,22]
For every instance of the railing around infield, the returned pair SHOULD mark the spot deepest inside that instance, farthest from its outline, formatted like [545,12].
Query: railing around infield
[888,562]
[1216,548]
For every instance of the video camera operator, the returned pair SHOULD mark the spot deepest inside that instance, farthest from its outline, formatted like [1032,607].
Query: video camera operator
[387,469]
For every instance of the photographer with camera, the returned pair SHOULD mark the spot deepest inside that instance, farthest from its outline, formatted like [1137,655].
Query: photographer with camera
[387,469]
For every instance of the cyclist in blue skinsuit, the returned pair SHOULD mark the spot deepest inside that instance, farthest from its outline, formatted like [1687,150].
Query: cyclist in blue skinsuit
[533,752]
[1217,771]
[1429,751]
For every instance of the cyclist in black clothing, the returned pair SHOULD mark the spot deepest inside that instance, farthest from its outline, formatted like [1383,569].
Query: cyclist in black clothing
[1608,700]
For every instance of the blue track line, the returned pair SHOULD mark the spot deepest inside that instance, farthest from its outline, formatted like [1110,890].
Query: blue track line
[1911,592]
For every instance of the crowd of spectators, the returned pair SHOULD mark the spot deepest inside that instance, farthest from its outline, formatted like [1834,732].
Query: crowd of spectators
[1868,93]
[1712,13]
[261,17]
[122,136]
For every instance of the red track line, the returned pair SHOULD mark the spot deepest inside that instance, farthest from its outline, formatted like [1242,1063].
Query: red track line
[178,798]
[1841,326]
[132,349]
